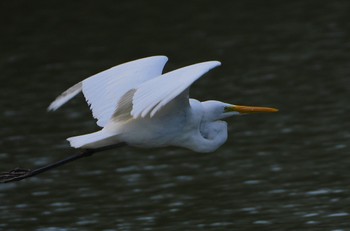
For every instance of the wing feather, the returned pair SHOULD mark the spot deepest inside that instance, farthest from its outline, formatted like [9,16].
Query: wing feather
[65,96]
[104,90]
[154,94]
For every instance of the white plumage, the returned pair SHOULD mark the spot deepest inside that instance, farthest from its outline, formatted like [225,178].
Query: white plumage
[135,104]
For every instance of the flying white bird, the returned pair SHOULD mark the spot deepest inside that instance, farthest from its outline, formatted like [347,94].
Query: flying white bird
[136,104]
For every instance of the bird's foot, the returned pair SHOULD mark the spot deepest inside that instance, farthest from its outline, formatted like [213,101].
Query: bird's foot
[14,175]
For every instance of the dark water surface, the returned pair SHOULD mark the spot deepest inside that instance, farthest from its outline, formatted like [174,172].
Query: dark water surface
[286,171]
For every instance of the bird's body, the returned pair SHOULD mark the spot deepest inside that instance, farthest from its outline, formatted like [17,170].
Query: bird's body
[135,104]
[182,128]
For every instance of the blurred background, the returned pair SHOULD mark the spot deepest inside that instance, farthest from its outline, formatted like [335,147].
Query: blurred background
[284,171]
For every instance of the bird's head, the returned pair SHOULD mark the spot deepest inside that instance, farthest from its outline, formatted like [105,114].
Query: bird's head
[216,110]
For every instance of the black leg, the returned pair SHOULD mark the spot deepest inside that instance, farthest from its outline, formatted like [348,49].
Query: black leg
[19,174]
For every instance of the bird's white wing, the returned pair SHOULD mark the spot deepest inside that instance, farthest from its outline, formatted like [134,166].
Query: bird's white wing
[104,90]
[152,95]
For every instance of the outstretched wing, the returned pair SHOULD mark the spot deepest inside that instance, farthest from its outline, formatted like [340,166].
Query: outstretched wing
[104,90]
[152,95]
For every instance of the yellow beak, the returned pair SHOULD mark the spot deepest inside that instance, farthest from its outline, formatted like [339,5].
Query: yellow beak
[250,109]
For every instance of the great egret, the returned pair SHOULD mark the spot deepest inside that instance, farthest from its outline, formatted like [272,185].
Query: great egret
[137,105]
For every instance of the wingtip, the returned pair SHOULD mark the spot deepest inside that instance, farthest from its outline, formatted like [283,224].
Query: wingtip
[216,63]
[160,57]
[51,107]
[208,65]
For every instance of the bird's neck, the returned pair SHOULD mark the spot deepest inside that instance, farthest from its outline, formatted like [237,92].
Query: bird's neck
[210,136]
[203,135]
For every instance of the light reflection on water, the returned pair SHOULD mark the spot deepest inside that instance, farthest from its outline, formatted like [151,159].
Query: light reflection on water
[276,172]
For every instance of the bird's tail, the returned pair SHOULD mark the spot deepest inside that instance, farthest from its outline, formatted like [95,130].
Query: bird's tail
[94,140]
